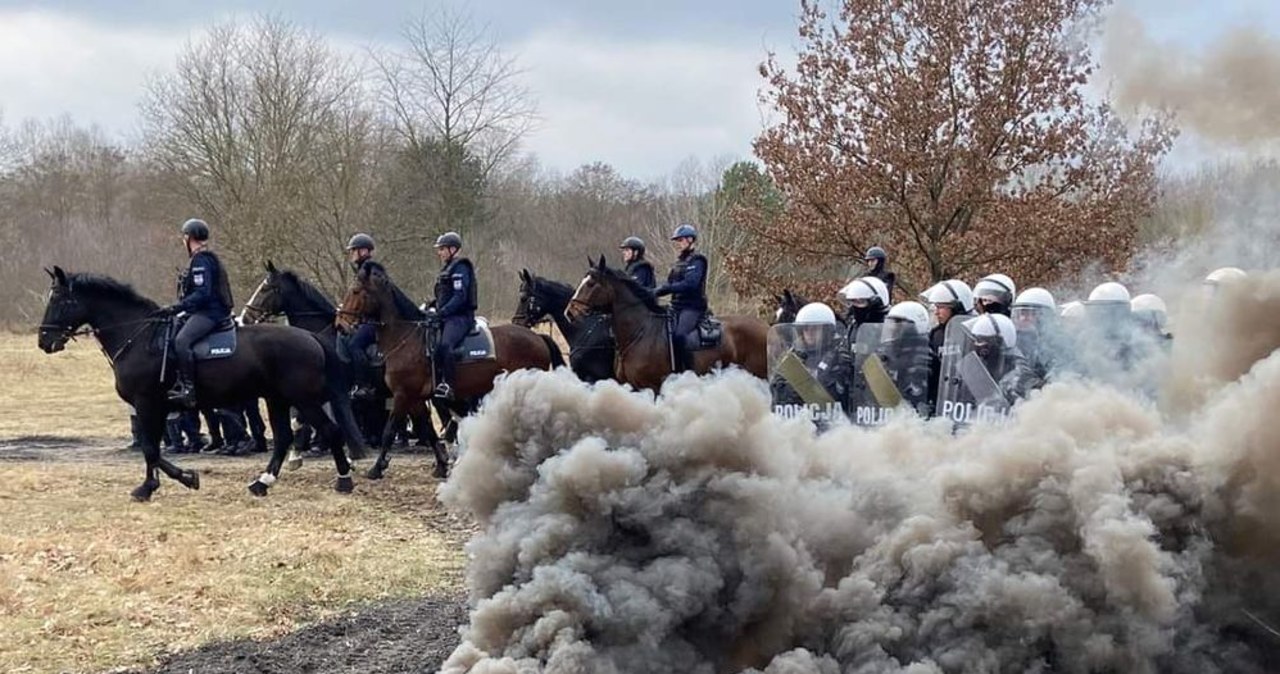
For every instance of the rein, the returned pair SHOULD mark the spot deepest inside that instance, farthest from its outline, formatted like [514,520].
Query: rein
[69,334]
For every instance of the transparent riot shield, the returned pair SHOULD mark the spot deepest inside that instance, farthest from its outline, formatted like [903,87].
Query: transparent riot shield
[969,388]
[806,376]
[897,374]
[877,394]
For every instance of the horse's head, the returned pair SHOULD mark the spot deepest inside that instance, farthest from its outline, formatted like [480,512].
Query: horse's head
[596,291]
[63,314]
[267,301]
[788,305]
[363,300]
[530,308]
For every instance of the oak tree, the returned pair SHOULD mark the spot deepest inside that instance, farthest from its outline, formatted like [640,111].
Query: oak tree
[955,133]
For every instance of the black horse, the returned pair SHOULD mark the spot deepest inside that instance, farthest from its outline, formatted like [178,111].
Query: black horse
[591,345]
[285,366]
[789,304]
[283,292]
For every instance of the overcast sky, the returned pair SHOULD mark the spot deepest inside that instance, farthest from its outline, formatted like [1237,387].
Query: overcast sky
[640,85]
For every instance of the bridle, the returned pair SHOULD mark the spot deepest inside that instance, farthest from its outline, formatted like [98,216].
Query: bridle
[69,333]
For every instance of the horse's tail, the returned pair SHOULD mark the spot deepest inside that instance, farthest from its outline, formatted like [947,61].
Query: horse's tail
[338,386]
[557,358]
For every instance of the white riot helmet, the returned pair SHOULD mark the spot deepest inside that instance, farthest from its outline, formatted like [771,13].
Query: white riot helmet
[815,313]
[1072,311]
[953,293]
[903,314]
[1033,306]
[1224,275]
[1150,309]
[866,289]
[1109,292]
[996,288]
[993,325]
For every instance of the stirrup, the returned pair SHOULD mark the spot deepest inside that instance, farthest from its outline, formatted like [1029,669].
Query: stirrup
[443,391]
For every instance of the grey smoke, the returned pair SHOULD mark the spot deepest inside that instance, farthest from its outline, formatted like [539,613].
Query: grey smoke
[1225,93]
[699,533]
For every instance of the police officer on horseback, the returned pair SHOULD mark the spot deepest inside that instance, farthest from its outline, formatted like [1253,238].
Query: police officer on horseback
[206,298]
[454,311]
[638,268]
[360,254]
[687,286]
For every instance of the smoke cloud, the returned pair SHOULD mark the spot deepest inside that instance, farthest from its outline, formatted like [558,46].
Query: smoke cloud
[1225,94]
[697,532]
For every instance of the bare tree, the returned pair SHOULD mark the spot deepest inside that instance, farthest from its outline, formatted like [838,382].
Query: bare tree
[453,85]
[261,130]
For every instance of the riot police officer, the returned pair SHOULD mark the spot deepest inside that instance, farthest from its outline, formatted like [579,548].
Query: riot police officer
[206,298]
[994,294]
[637,267]
[904,349]
[949,299]
[360,255]
[687,286]
[868,303]
[456,301]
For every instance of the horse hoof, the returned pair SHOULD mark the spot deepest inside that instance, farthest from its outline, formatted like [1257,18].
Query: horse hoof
[191,480]
[441,471]
[345,485]
[141,494]
[257,488]
[374,473]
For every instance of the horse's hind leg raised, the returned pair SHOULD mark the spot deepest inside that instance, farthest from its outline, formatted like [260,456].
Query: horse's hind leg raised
[282,438]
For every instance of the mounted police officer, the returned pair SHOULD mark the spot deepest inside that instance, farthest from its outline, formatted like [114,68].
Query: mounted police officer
[878,265]
[360,254]
[687,286]
[456,301]
[205,298]
[637,267]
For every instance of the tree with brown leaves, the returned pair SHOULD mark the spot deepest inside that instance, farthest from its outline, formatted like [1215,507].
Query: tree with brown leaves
[956,134]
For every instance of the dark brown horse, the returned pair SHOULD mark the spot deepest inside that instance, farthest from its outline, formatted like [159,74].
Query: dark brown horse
[402,330]
[640,328]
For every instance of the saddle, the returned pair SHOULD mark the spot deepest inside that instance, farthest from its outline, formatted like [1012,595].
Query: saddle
[476,346]
[219,344]
[710,330]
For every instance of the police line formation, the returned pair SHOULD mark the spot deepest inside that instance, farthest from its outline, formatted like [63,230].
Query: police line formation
[962,353]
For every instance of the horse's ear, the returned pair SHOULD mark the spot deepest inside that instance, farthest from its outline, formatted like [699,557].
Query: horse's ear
[601,265]
[786,295]
[59,275]
[49,272]
[524,274]
[271,267]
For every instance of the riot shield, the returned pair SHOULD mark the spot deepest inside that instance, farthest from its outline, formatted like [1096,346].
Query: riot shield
[970,386]
[882,376]
[805,377]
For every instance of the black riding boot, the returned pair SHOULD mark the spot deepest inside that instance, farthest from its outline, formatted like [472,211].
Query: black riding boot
[184,389]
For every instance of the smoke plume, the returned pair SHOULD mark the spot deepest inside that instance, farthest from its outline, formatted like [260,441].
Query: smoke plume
[697,532]
[1226,94]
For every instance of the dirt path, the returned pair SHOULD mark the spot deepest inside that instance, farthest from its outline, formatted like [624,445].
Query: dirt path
[404,636]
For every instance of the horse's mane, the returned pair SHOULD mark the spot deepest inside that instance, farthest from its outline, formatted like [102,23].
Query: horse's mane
[404,306]
[644,294]
[106,288]
[555,288]
[310,294]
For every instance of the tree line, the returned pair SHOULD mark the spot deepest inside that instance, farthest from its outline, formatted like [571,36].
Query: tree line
[958,137]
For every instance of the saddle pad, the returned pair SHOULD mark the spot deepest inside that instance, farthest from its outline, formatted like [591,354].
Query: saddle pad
[477,345]
[220,344]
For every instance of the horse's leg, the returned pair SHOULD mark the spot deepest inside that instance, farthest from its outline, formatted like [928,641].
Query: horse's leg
[422,423]
[330,436]
[282,438]
[188,478]
[399,408]
[151,419]
[346,418]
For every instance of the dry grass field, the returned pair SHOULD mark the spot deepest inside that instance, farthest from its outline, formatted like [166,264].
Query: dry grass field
[90,581]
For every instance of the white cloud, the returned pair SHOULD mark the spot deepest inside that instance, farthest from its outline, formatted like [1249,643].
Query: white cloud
[53,64]
[642,107]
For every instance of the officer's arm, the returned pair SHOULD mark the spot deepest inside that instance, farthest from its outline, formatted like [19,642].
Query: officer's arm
[457,300]
[644,277]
